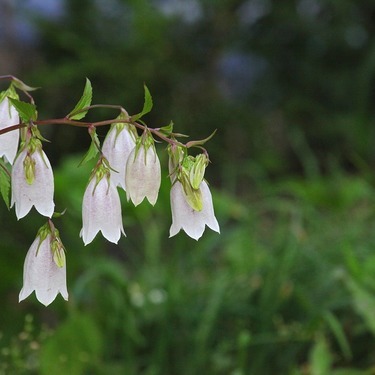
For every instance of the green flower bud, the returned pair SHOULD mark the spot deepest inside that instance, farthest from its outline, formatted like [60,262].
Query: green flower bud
[29,169]
[193,196]
[197,170]
[58,251]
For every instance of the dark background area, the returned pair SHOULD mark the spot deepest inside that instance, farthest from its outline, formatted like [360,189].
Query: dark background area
[288,286]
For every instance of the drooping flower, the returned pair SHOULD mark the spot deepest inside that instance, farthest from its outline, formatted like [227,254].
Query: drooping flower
[44,269]
[184,217]
[117,146]
[32,181]
[8,141]
[101,208]
[143,172]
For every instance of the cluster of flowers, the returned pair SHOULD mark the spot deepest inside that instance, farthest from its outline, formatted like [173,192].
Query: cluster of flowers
[127,160]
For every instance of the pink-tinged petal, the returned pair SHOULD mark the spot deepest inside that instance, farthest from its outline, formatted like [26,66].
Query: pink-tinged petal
[101,211]
[42,275]
[39,193]
[185,218]
[8,141]
[143,175]
[117,148]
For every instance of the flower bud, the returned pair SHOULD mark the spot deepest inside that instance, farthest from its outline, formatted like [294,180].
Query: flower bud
[197,170]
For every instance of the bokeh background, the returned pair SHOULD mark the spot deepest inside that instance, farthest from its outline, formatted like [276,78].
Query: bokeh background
[288,286]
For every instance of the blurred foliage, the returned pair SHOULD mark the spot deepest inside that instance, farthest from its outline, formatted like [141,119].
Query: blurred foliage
[288,287]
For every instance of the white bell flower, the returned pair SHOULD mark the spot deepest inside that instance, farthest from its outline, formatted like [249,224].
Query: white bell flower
[8,141]
[186,218]
[117,146]
[42,274]
[32,182]
[101,210]
[143,174]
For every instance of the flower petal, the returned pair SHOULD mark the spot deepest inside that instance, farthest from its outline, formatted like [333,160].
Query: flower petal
[117,148]
[8,141]
[191,221]
[143,175]
[39,193]
[42,274]
[101,211]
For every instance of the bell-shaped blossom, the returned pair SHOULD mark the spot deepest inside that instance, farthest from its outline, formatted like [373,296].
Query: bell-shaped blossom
[117,146]
[42,274]
[143,174]
[186,218]
[9,140]
[32,182]
[101,210]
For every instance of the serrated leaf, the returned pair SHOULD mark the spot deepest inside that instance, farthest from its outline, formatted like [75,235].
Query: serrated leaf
[4,183]
[93,149]
[147,105]
[27,111]
[85,101]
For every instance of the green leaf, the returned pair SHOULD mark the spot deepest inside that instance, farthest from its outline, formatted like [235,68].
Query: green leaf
[78,113]
[147,105]
[339,333]
[4,182]
[27,111]
[364,303]
[74,348]
[320,357]
[93,149]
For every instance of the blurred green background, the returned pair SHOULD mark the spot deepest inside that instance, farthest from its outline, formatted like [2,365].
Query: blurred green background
[288,287]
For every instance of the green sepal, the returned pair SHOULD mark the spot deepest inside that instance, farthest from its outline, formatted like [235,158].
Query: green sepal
[201,141]
[168,129]
[59,214]
[27,111]
[78,113]
[147,105]
[93,149]
[4,182]
[10,92]
[196,173]
[43,233]
[58,249]
[193,196]
[22,86]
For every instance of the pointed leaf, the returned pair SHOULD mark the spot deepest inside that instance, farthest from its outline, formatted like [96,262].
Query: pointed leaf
[4,183]
[27,111]
[147,105]
[78,113]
